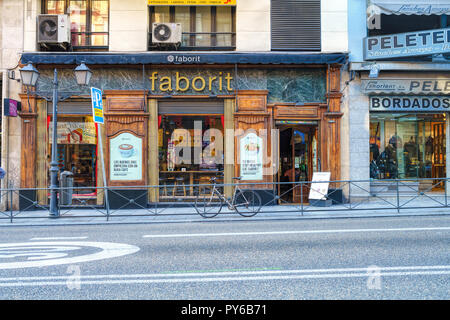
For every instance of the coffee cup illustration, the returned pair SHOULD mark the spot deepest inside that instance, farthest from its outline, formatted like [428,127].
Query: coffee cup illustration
[127,150]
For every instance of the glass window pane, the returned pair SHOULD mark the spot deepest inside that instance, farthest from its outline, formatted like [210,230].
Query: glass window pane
[203,24]
[162,14]
[224,24]
[55,7]
[78,22]
[99,22]
[183,16]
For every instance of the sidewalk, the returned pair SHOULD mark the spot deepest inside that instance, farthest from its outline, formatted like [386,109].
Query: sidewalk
[189,214]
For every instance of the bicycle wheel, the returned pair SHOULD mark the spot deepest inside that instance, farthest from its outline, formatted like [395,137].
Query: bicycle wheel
[208,205]
[247,203]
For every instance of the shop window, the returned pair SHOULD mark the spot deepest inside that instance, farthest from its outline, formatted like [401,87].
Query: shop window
[190,153]
[407,146]
[76,152]
[203,27]
[89,21]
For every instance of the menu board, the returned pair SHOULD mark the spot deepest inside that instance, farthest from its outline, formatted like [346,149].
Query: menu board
[251,157]
[125,158]
[319,185]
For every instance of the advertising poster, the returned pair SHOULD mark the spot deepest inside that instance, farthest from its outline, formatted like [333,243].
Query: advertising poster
[251,157]
[74,133]
[126,158]
[319,185]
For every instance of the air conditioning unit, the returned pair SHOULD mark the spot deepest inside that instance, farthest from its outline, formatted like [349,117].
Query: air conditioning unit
[53,29]
[166,33]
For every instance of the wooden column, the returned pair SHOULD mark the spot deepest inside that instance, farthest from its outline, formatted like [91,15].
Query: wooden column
[42,164]
[28,150]
[153,156]
[331,126]
[252,114]
[230,107]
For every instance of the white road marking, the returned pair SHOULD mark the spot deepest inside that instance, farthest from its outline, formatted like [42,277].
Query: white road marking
[224,276]
[43,254]
[192,235]
[58,238]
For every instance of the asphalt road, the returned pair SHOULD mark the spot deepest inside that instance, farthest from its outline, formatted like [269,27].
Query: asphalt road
[376,258]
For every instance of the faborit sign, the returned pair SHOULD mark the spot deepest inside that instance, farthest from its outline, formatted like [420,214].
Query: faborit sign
[408,44]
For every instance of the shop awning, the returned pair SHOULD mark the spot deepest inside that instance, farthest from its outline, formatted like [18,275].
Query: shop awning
[408,7]
[176,58]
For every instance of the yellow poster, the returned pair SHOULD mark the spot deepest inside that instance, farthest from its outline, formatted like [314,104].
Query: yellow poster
[192,2]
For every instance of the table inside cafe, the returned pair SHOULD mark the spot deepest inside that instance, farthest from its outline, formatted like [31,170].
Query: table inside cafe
[190,180]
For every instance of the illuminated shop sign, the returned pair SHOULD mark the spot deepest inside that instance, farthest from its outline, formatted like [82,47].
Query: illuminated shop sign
[418,43]
[410,104]
[406,86]
[191,2]
[179,83]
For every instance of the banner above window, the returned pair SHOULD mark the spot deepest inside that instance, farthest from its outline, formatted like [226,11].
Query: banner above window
[408,7]
[192,2]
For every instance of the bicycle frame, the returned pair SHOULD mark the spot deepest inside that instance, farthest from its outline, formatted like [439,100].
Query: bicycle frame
[231,205]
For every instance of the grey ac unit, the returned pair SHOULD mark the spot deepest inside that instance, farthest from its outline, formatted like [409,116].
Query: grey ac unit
[169,33]
[53,28]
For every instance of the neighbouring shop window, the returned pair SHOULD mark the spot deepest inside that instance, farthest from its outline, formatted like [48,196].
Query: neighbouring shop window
[76,151]
[89,21]
[203,27]
[190,152]
[407,146]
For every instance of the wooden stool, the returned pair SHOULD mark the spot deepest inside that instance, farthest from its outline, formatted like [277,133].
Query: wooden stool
[204,187]
[163,190]
[179,183]
[170,182]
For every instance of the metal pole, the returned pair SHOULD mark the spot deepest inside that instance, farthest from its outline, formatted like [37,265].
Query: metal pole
[103,169]
[54,213]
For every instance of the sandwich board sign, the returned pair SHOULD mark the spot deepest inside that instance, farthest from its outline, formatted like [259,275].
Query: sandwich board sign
[97,105]
[319,185]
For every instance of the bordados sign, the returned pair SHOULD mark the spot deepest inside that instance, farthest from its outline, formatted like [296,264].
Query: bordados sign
[410,104]
[418,43]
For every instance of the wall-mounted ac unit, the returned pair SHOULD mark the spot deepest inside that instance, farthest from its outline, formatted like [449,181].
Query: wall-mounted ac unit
[166,33]
[53,28]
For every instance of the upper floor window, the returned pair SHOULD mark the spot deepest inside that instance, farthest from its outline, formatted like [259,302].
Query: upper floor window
[296,25]
[89,21]
[202,27]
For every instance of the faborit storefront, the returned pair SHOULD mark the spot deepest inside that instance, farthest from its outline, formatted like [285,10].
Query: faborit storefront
[180,119]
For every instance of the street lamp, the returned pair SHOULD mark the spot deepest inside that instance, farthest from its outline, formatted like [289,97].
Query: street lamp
[29,76]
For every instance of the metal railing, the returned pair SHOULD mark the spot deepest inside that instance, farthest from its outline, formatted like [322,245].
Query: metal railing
[278,198]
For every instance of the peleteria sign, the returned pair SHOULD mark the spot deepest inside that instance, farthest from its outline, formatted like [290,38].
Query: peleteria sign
[418,43]
[192,2]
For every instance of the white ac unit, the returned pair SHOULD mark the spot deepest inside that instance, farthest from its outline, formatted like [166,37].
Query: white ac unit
[53,28]
[169,33]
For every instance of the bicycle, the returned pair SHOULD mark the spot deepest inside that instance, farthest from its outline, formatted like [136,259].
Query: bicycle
[245,202]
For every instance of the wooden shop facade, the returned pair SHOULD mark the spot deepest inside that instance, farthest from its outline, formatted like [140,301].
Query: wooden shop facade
[179,119]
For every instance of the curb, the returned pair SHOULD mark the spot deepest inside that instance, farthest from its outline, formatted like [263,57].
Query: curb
[213,220]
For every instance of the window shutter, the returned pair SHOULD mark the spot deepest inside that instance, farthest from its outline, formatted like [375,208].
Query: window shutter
[187,106]
[296,25]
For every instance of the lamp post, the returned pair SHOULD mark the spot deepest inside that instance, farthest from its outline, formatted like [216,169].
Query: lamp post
[29,76]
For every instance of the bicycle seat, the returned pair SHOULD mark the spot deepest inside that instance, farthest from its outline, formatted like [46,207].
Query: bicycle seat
[237,178]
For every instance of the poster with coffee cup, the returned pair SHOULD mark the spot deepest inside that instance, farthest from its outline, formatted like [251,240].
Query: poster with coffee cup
[251,157]
[126,158]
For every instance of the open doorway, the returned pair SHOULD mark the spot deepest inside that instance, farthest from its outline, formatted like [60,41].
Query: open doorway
[298,154]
